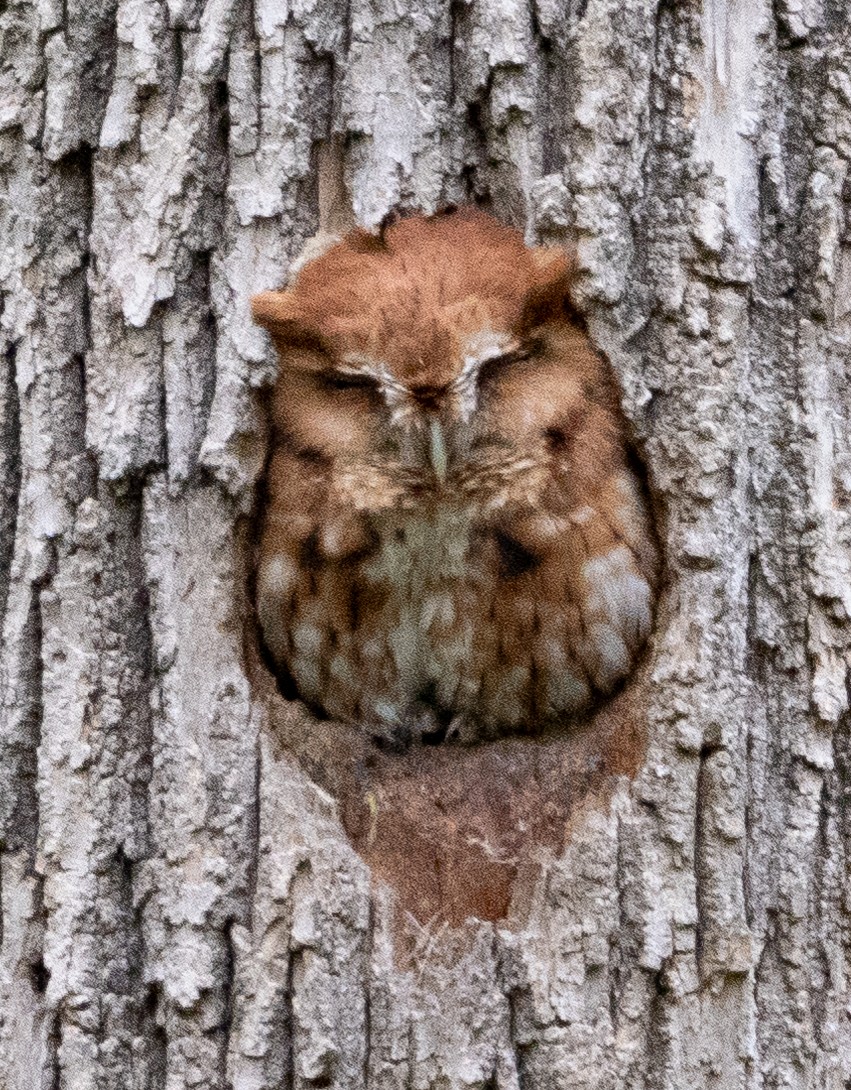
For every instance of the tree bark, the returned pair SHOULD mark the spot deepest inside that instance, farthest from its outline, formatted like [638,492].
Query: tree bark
[201,887]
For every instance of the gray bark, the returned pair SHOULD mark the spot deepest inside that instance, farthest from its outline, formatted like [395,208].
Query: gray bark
[182,904]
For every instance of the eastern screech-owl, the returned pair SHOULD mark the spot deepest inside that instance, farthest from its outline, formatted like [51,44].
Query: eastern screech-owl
[454,542]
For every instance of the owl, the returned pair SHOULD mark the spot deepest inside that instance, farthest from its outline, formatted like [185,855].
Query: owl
[454,544]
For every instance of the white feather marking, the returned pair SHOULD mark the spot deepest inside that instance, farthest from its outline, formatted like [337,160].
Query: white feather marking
[504,694]
[626,512]
[480,347]
[304,667]
[307,639]
[579,516]
[631,514]
[627,487]
[617,595]
[340,669]
[606,656]
[276,576]
[566,693]
[395,393]
[437,607]
[488,344]
[485,345]
[359,363]
[271,617]
[386,712]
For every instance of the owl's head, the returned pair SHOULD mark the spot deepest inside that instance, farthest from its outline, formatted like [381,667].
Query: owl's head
[439,358]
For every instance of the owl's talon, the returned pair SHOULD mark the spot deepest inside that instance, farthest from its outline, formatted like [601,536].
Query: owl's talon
[462,729]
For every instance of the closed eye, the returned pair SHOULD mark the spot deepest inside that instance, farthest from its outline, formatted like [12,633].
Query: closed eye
[349,380]
[496,364]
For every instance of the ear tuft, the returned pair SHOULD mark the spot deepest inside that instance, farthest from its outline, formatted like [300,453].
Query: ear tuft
[316,246]
[554,268]
[361,241]
[283,316]
[273,310]
[553,262]
[278,312]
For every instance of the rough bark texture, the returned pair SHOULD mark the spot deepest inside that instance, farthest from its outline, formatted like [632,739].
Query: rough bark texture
[181,906]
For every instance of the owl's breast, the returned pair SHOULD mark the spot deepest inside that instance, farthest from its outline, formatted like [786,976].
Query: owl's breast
[429,576]
[418,551]
[464,611]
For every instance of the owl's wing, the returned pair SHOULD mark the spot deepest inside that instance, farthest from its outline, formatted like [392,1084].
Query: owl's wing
[596,563]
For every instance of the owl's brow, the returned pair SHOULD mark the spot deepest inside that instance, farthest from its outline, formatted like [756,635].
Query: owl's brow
[394,391]
[357,363]
[481,348]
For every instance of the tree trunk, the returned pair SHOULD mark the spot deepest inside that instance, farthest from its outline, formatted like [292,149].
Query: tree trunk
[201,887]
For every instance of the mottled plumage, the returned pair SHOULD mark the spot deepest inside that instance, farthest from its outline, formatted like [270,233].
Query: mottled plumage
[454,542]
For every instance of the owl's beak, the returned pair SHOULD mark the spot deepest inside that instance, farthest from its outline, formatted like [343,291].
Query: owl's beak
[437,452]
